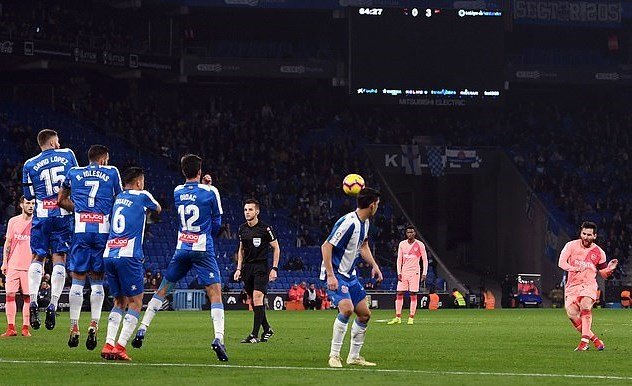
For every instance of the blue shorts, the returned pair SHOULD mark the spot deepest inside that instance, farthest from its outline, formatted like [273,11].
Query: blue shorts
[124,275]
[204,264]
[347,289]
[51,234]
[86,253]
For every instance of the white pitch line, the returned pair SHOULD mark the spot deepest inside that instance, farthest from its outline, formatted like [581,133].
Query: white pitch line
[372,370]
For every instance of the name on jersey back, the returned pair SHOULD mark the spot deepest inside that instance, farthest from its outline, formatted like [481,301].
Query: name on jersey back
[124,201]
[188,197]
[93,173]
[46,161]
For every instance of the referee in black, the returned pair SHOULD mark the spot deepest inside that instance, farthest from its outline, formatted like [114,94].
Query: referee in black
[256,238]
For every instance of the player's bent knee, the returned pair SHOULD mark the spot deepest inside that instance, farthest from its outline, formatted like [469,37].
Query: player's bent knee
[165,288]
[365,317]
[257,298]
[214,292]
[346,312]
[345,308]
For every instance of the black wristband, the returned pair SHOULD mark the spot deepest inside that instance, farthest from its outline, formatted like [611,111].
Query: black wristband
[276,269]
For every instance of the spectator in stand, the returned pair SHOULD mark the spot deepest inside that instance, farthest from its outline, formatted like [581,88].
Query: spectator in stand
[324,299]
[557,297]
[43,296]
[489,300]
[457,299]
[292,294]
[301,290]
[311,301]
[433,303]
[147,279]
[626,301]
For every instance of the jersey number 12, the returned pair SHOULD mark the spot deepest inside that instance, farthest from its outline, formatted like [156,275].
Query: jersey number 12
[187,223]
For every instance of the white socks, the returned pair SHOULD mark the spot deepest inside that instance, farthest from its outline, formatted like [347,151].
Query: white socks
[217,315]
[154,305]
[129,325]
[75,298]
[57,280]
[358,332]
[114,321]
[96,299]
[340,330]
[35,279]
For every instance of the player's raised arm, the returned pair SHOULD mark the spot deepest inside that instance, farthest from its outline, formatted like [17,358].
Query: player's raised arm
[367,255]
[563,260]
[606,269]
[216,209]
[609,268]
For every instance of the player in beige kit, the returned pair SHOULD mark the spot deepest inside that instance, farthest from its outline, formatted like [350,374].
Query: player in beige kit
[582,259]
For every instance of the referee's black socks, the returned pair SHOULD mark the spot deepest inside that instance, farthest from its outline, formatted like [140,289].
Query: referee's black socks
[264,321]
[260,314]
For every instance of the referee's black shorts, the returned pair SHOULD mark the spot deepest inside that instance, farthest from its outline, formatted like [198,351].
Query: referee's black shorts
[255,277]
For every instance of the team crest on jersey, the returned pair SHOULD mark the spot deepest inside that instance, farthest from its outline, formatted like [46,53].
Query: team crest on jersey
[118,242]
[189,238]
[49,204]
[344,289]
[256,241]
[95,218]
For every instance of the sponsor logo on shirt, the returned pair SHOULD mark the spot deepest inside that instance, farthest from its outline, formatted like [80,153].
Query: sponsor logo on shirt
[118,242]
[97,218]
[49,204]
[21,237]
[256,241]
[189,238]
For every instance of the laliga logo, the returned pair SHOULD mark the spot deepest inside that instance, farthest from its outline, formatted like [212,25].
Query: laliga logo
[91,218]
[214,67]
[292,69]
[117,243]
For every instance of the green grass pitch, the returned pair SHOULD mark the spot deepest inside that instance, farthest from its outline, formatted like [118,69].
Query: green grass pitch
[445,347]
